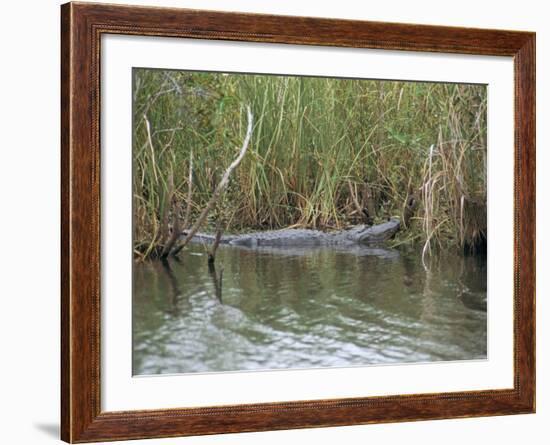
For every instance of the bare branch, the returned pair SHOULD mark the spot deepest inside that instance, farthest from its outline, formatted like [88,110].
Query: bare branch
[171,202]
[166,208]
[212,253]
[221,186]
[176,227]
[171,79]
[353,195]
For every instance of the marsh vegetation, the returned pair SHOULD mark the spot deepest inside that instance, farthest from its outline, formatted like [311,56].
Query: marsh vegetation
[322,153]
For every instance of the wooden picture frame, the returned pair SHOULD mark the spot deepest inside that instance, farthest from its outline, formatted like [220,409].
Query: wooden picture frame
[82,25]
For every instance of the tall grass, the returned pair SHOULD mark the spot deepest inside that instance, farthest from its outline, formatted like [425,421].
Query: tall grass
[321,151]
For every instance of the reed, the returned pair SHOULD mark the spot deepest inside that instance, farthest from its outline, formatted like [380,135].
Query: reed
[323,153]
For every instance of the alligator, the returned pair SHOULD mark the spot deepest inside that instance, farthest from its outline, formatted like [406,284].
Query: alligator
[357,235]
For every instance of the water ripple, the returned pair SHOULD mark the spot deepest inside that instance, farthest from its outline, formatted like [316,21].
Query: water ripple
[306,308]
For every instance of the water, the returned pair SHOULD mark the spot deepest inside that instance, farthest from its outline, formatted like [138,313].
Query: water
[306,308]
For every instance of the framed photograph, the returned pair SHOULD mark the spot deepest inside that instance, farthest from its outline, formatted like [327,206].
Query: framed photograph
[274,222]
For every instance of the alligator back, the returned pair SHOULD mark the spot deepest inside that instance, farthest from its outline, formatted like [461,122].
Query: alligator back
[282,238]
[361,234]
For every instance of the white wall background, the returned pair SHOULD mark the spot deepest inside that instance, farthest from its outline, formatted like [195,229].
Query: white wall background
[29,219]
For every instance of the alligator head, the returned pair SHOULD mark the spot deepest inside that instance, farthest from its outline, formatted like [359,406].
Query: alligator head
[378,233]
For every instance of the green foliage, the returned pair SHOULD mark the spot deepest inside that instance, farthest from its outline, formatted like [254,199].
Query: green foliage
[321,148]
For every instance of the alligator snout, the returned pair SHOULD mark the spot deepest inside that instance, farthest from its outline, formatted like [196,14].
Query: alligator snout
[379,233]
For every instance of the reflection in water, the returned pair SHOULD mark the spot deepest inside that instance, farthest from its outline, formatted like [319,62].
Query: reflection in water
[304,308]
[216,279]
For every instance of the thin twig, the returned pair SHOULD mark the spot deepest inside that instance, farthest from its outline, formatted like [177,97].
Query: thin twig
[166,208]
[150,140]
[176,229]
[428,185]
[189,192]
[354,198]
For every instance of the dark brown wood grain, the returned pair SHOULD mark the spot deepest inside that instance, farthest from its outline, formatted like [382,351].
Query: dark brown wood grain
[81,28]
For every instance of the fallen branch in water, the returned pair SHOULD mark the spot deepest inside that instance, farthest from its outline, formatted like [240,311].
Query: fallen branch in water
[220,188]
[212,252]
